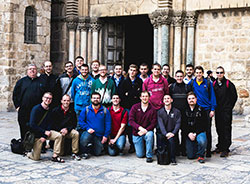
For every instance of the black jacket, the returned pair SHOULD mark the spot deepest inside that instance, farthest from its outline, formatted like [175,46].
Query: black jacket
[169,122]
[196,120]
[61,120]
[28,92]
[118,88]
[130,92]
[170,80]
[226,94]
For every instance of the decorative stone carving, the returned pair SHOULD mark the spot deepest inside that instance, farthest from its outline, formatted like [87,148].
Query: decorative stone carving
[72,22]
[191,18]
[95,24]
[161,17]
[178,18]
[84,23]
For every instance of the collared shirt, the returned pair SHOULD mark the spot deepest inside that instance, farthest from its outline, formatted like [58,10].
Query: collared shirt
[186,80]
[117,80]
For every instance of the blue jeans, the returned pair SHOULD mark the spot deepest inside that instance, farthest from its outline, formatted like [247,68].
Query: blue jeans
[87,138]
[120,143]
[139,142]
[197,147]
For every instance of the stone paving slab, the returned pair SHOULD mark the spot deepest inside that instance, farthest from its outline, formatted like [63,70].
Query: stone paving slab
[124,169]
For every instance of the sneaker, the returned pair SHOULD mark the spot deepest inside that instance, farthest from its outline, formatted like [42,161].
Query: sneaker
[217,150]
[85,155]
[201,160]
[173,162]
[208,154]
[75,157]
[224,154]
[149,160]
[131,149]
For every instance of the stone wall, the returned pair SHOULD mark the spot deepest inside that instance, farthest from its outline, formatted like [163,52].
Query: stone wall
[15,54]
[222,38]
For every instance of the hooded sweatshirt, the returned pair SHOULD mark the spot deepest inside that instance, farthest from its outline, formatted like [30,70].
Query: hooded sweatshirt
[157,90]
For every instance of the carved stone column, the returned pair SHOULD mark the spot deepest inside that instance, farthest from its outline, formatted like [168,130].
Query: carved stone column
[72,25]
[191,20]
[95,27]
[154,22]
[178,19]
[83,26]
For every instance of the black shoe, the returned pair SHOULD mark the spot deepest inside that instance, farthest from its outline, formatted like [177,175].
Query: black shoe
[149,160]
[217,150]
[224,154]
[43,150]
[208,154]
[85,156]
[184,154]
[173,162]
[131,149]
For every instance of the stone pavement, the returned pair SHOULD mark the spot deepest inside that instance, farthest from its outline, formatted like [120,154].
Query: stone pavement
[126,169]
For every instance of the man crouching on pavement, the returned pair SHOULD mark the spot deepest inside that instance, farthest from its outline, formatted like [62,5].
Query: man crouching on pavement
[64,118]
[40,123]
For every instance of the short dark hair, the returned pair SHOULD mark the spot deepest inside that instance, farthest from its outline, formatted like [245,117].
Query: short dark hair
[145,91]
[95,93]
[117,65]
[156,64]
[144,64]
[116,94]
[49,93]
[95,61]
[168,95]
[85,65]
[220,67]
[199,68]
[179,71]
[190,66]
[191,93]
[79,57]
[69,62]
[166,65]
[133,66]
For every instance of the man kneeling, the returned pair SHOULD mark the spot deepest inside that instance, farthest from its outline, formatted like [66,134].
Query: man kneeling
[64,118]
[40,123]
[196,119]
[142,118]
[95,125]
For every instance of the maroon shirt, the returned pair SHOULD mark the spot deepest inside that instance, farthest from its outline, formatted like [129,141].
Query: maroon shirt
[145,119]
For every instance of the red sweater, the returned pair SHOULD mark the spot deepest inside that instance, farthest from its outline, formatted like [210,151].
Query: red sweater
[116,120]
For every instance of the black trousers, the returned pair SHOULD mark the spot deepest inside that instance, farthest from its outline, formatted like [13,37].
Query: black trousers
[208,132]
[223,124]
[23,119]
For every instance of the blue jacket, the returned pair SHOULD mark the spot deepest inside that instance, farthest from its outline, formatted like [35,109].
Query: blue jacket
[99,122]
[204,99]
[81,91]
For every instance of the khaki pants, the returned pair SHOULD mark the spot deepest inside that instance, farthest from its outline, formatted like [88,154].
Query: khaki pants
[74,135]
[55,136]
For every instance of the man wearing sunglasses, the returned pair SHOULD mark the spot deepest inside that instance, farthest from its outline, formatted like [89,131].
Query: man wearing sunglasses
[226,97]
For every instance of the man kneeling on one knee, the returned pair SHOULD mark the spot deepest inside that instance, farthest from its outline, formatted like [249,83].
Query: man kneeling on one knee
[64,118]
[95,124]
[196,119]
[40,124]
[142,118]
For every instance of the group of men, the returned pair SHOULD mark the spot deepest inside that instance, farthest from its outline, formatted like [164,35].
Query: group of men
[98,111]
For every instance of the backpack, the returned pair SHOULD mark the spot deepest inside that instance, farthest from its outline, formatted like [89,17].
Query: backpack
[163,157]
[123,113]
[17,146]
[87,110]
[28,141]
[227,83]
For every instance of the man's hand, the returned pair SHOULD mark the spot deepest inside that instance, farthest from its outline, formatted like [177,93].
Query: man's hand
[169,135]
[91,131]
[64,131]
[142,131]
[42,139]
[192,136]
[112,141]
[211,114]
[104,139]
[48,133]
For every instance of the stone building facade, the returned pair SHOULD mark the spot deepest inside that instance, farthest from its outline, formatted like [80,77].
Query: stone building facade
[177,32]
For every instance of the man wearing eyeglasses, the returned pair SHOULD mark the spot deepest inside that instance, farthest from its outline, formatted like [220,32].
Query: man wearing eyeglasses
[226,97]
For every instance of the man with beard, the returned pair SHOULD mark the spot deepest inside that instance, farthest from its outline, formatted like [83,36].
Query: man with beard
[27,93]
[104,86]
[95,122]
[81,89]
[189,73]
[95,69]
[142,118]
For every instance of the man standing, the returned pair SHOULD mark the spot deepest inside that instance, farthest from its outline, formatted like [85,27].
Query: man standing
[95,122]
[142,118]
[64,121]
[64,81]
[118,78]
[119,118]
[131,88]
[189,73]
[165,73]
[196,121]
[27,93]
[143,72]
[79,61]
[104,86]
[95,69]
[205,98]
[40,124]
[169,121]
[178,91]
[81,89]
[157,86]
[226,97]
